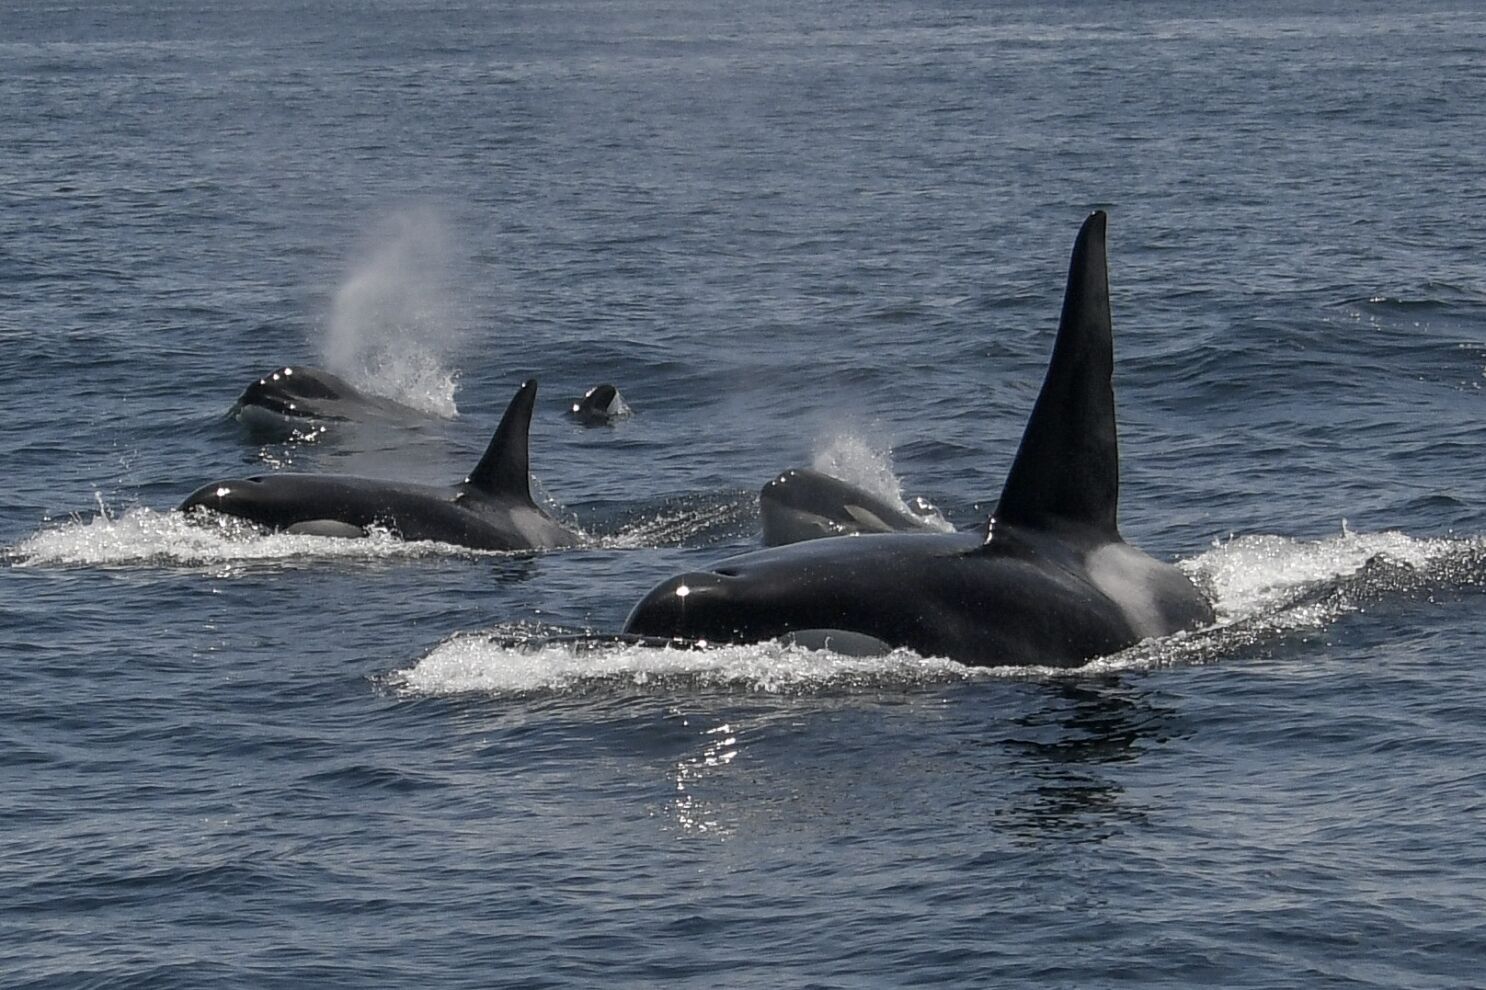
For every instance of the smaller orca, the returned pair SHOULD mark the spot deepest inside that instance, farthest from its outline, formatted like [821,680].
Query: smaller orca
[805,504]
[600,406]
[298,398]
[492,509]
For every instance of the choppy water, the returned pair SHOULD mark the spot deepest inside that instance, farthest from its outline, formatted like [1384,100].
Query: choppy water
[792,234]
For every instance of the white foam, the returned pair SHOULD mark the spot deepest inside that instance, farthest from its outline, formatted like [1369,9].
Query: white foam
[1252,574]
[143,536]
[1268,587]
[492,665]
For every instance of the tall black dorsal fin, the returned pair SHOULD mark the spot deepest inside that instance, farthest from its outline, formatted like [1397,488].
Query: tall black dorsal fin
[506,468]
[1067,469]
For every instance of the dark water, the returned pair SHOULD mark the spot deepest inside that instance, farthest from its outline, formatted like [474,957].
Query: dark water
[790,233]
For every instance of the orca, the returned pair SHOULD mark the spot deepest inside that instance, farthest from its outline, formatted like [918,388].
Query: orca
[600,406]
[1046,581]
[492,509]
[299,398]
[805,504]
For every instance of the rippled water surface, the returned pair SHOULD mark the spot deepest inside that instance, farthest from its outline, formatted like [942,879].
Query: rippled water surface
[792,234]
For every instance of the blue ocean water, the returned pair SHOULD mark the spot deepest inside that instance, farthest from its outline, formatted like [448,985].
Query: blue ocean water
[792,233]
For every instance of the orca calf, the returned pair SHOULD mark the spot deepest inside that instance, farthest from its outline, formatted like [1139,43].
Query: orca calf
[492,509]
[804,504]
[1046,581]
[299,397]
[600,406]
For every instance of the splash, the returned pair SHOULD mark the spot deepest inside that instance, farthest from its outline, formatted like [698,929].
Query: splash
[145,537]
[1266,589]
[501,663]
[857,462]
[1251,575]
[391,329]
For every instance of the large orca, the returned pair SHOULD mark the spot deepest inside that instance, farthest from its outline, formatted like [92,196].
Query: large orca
[1047,580]
[299,398]
[492,509]
[804,504]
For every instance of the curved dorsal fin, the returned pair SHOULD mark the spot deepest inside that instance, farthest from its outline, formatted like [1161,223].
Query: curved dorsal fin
[505,469]
[1067,469]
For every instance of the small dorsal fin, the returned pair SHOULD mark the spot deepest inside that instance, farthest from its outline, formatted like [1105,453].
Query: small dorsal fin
[505,469]
[1067,469]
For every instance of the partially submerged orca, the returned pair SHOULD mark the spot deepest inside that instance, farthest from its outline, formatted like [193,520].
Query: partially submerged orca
[299,397]
[600,406]
[805,504]
[1047,581]
[492,509]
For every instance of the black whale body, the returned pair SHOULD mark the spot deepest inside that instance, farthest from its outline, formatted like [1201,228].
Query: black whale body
[805,504]
[492,509]
[298,397]
[1047,581]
